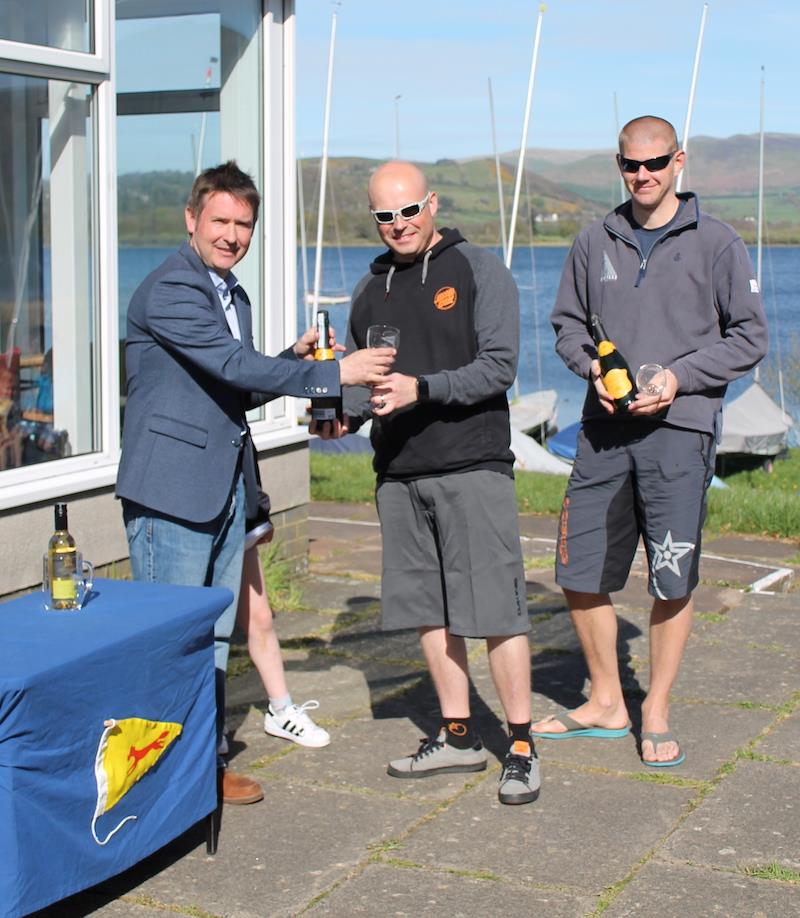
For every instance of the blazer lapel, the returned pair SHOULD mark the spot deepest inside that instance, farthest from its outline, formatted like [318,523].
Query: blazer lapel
[242,306]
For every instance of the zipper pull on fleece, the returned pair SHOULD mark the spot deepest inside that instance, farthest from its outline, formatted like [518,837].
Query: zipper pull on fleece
[642,269]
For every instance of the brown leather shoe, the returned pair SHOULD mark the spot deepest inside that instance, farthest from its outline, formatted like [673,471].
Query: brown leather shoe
[239,789]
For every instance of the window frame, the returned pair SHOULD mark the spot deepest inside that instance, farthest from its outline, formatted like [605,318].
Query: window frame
[278,426]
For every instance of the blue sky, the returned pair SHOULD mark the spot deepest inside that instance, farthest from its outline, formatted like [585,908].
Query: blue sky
[438,54]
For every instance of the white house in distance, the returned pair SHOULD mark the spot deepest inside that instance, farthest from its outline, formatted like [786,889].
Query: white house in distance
[90,89]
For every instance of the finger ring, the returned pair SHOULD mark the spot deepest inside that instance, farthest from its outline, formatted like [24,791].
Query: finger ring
[381,404]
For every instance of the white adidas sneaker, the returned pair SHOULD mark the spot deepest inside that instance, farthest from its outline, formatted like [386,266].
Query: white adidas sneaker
[294,724]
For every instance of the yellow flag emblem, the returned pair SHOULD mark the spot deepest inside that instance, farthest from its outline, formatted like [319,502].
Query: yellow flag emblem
[127,750]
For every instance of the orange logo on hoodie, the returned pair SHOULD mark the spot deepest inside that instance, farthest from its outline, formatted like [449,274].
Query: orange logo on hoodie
[445,298]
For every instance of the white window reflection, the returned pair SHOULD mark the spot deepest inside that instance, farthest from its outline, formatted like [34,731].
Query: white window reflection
[48,353]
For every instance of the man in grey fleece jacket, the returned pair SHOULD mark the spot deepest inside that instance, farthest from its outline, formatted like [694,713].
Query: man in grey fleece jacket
[672,286]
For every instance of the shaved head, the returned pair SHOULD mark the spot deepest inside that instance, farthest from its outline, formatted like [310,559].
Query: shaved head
[648,129]
[392,187]
[396,175]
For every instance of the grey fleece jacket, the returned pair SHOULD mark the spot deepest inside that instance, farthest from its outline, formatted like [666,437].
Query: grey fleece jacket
[692,305]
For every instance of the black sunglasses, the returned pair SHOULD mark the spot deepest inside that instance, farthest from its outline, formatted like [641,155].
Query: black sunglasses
[656,164]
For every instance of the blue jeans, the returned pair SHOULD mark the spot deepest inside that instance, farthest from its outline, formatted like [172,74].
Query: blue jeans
[166,550]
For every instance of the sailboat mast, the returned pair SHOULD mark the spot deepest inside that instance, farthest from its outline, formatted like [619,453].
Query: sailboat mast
[760,224]
[503,235]
[760,217]
[324,168]
[690,107]
[303,243]
[524,142]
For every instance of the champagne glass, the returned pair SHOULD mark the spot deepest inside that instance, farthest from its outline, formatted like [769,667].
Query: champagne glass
[651,378]
[383,336]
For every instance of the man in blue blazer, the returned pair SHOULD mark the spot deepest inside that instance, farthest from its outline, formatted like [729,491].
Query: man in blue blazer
[192,373]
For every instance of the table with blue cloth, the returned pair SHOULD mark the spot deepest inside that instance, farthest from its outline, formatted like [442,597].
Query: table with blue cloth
[107,737]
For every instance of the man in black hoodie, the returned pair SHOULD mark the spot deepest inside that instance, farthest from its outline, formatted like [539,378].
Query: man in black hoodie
[452,565]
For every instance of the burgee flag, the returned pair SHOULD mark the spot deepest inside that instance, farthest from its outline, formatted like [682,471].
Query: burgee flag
[127,750]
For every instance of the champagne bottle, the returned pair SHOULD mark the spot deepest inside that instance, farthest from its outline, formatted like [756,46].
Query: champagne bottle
[616,374]
[328,408]
[61,563]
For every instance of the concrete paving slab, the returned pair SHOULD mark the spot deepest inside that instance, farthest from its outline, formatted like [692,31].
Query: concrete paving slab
[562,839]
[363,640]
[757,548]
[387,889]
[340,594]
[356,761]
[784,741]
[678,891]
[709,735]
[725,671]
[332,510]
[751,819]
[275,857]
[762,621]
[94,903]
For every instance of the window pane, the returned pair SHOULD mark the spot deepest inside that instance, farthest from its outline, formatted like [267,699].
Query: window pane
[194,103]
[64,24]
[48,352]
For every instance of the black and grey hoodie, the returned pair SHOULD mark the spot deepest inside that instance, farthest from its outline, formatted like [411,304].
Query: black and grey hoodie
[692,305]
[457,308]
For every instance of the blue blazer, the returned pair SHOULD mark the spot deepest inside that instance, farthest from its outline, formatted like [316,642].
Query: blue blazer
[189,383]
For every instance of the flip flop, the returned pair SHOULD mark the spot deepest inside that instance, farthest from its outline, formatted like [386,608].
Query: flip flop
[667,737]
[574,728]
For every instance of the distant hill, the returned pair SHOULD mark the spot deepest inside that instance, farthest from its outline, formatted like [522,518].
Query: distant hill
[722,171]
[565,190]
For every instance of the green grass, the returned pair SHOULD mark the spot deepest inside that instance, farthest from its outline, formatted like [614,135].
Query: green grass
[758,502]
[282,584]
[755,502]
[345,478]
[773,871]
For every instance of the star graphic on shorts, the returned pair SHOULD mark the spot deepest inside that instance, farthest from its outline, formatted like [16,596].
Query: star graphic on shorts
[669,553]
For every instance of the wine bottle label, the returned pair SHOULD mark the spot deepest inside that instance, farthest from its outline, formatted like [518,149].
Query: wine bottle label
[604,348]
[324,412]
[64,589]
[617,383]
[63,564]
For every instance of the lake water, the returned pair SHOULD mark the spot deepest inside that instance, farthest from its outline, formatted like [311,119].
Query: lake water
[537,276]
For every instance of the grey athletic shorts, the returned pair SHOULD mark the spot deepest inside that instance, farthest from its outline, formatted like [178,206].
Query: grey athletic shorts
[451,555]
[635,478]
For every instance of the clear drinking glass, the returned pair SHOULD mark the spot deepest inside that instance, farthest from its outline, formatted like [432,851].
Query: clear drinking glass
[651,378]
[383,336]
[66,597]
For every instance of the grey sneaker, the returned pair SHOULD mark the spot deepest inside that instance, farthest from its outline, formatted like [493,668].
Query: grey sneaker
[435,756]
[519,780]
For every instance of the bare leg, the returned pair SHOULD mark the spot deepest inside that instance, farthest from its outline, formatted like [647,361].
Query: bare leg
[254,617]
[510,665]
[446,656]
[595,622]
[670,626]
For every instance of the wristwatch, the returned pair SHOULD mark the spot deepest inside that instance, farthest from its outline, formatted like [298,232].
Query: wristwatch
[423,390]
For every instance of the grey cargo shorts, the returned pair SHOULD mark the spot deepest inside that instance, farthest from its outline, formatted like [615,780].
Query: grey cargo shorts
[451,555]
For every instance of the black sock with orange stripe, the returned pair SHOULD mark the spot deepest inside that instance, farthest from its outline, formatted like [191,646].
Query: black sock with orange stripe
[458,732]
[520,733]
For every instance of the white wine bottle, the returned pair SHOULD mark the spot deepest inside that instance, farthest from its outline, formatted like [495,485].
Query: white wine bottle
[327,408]
[614,369]
[62,563]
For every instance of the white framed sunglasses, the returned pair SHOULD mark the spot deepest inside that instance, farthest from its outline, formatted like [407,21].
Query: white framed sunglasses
[408,212]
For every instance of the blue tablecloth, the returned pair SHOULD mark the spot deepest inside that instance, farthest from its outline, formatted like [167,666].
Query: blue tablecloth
[138,654]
